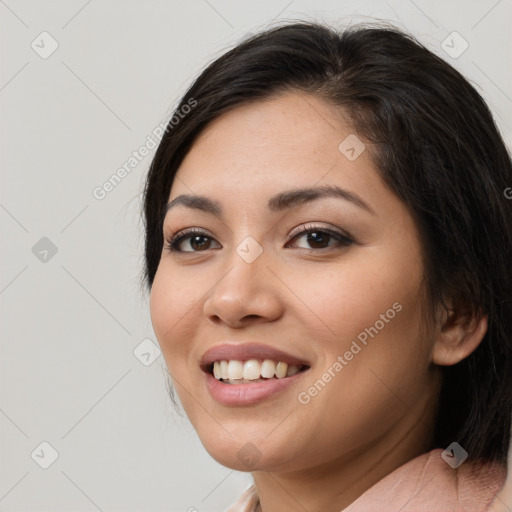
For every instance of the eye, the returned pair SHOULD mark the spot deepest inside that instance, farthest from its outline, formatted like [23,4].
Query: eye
[318,238]
[190,240]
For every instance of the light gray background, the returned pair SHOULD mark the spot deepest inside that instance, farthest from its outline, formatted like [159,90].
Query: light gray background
[70,323]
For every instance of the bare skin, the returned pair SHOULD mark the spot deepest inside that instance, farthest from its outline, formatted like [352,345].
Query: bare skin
[503,501]
[309,297]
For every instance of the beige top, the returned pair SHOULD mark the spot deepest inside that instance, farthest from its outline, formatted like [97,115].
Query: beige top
[424,484]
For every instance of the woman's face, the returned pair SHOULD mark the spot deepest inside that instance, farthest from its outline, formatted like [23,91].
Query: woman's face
[344,299]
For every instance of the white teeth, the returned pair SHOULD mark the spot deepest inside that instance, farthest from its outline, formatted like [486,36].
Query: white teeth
[281,370]
[224,370]
[252,370]
[292,370]
[235,369]
[268,368]
[216,370]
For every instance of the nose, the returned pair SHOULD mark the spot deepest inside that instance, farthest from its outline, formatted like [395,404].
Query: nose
[247,293]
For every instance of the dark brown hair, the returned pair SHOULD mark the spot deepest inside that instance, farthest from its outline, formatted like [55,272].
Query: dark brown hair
[438,149]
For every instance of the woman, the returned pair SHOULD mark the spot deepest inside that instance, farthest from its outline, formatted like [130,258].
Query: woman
[328,250]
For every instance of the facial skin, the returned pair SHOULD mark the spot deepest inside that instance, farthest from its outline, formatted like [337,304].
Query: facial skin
[377,412]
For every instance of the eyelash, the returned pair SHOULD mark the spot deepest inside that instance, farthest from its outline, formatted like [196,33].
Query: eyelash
[342,239]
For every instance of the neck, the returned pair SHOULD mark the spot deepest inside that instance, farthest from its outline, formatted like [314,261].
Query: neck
[334,485]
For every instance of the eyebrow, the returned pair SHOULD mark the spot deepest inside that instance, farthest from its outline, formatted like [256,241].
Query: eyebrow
[282,201]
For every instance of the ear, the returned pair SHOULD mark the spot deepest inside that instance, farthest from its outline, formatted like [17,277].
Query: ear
[459,334]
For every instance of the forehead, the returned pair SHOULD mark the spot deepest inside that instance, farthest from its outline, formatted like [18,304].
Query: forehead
[289,139]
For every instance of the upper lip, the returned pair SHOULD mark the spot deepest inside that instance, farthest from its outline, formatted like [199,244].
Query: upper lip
[246,351]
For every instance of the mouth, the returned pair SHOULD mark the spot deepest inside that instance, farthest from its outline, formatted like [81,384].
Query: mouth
[245,374]
[250,363]
[252,371]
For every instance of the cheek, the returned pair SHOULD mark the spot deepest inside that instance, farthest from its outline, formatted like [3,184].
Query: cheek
[172,301]
[366,288]
[374,312]
[366,387]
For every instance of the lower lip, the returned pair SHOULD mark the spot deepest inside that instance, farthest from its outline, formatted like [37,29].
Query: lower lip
[248,394]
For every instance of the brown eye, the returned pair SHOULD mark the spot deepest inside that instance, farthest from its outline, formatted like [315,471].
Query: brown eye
[318,239]
[200,242]
[190,241]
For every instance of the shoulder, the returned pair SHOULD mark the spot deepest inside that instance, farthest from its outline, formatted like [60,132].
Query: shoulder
[247,502]
[423,484]
[429,483]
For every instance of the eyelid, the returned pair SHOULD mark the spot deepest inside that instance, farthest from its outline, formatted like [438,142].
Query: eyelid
[308,226]
[172,241]
[190,231]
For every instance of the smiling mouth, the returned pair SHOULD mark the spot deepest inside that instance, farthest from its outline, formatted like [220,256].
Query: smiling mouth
[252,371]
